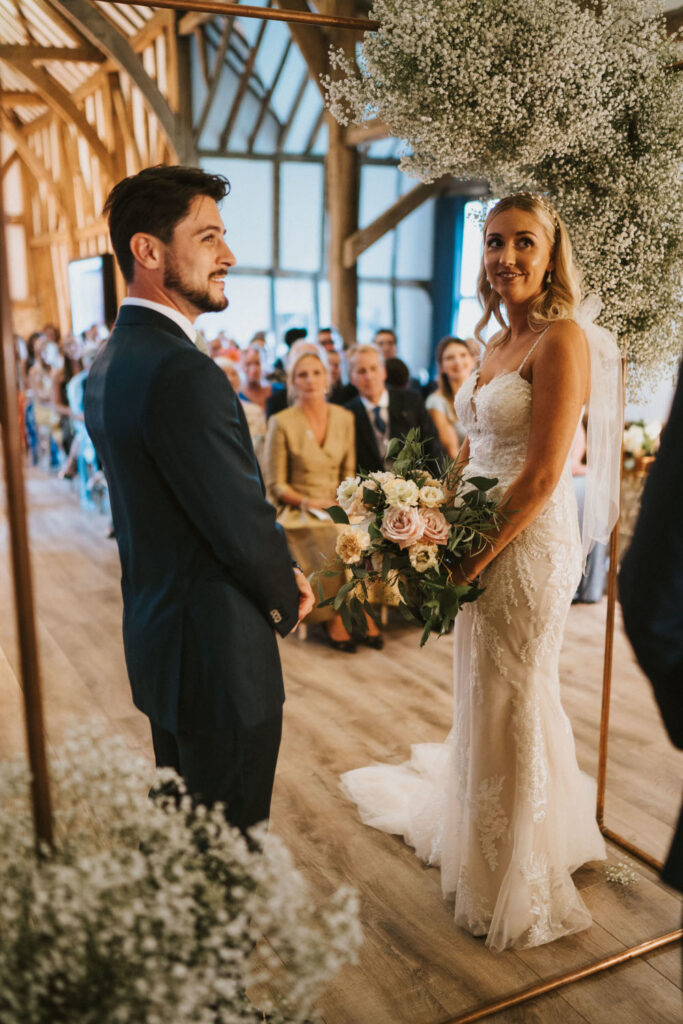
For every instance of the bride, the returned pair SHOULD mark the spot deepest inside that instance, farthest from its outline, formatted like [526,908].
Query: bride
[502,805]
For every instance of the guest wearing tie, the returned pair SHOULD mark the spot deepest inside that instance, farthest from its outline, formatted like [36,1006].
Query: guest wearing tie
[382,413]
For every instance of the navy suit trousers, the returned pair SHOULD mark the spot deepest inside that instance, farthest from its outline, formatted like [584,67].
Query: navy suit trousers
[235,767]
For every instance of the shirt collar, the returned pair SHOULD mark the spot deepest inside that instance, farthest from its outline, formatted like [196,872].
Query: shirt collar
[383,402]
[172,314]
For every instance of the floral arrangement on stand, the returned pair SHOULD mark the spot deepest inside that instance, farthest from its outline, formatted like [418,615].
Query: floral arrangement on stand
[408,529]
[576,100]
[641,443]
[151,910]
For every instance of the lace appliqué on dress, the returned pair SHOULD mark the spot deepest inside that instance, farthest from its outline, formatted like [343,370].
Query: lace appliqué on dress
[472,904]
[536,872]
[492,821]
[532,758]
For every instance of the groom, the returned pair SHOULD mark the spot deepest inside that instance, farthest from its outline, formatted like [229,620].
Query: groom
[207,578]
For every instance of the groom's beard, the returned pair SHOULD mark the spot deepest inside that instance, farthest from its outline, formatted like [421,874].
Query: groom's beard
[200,298]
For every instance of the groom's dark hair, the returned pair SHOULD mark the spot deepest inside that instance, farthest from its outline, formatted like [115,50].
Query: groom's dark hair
[155,200]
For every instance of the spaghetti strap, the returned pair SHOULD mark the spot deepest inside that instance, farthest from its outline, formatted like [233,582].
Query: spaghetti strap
[521,365]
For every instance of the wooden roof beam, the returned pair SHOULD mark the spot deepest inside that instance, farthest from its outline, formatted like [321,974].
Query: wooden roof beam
[21,99]
[89,54]
[369,131]
[29,158]
[361,240]
[312,41]
[242,88]
[214,78]
[59,100]
[193,20]
[101,33]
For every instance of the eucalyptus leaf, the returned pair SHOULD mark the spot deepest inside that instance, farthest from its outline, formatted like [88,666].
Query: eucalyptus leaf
[338,515]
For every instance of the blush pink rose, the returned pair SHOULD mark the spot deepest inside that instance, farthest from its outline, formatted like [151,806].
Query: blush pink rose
[436,528]
[402,526]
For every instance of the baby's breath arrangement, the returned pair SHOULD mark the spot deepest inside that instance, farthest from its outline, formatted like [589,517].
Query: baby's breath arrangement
[620,874]
[151,912]
[571,99]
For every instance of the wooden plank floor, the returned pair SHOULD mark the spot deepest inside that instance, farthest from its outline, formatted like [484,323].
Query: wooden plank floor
[343,711]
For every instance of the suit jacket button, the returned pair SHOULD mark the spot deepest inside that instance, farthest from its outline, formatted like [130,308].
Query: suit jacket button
[275,616]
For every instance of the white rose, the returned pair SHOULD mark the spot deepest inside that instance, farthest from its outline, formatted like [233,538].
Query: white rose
[351,543]
[347,492]
[633,439]
[423,556]
[431,496]
[653,429]
[401,493]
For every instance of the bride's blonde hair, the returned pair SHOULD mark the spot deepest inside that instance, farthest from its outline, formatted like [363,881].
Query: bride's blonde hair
[560,296]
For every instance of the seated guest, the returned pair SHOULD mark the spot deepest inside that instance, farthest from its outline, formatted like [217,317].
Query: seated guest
[256,418]
[326,339]
[255,390]
[398,374]
[281,397]
[382,413]
[309,451]
[340,393]
[455,360]
[386,341]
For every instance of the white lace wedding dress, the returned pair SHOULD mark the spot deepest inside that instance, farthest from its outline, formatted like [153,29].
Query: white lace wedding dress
[502,805]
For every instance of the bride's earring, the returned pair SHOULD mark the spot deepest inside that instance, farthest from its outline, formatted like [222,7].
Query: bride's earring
[549,278]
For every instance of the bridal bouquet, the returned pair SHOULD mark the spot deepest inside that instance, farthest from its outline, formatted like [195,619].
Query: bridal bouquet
[408,530]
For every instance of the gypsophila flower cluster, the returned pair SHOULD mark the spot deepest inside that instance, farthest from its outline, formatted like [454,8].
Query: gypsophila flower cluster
[620,874]
[151,911]
[407,529]
[571,100]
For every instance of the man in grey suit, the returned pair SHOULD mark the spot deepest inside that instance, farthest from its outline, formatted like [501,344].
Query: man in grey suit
[207,578]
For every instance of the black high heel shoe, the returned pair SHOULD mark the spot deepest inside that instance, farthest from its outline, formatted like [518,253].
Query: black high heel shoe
[347,646]
[376,642]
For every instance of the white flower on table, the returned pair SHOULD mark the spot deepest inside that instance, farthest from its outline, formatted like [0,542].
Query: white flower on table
[634,439]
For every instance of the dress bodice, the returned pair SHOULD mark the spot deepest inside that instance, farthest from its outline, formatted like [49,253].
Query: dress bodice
[497,417]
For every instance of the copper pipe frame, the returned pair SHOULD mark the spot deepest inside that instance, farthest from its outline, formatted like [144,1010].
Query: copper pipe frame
[566,979]
[245,11]
[21,564]
[614,837]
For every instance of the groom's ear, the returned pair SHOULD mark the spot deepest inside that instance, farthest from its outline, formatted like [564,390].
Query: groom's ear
[147,250]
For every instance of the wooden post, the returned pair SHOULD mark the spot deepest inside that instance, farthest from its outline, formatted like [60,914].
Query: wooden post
[21,567]
[343,187]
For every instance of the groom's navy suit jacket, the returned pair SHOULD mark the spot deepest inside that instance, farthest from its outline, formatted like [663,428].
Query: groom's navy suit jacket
[206,573]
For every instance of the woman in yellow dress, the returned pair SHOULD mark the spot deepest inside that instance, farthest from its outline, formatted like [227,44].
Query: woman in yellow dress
[310,449]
